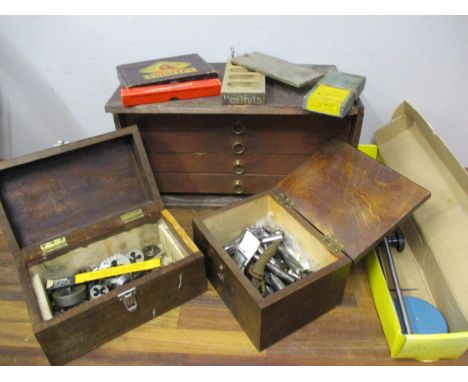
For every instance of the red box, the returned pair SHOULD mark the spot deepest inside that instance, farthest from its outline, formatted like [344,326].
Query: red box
[168,92]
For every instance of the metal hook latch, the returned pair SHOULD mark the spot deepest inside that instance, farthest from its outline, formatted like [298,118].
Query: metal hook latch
[129,299]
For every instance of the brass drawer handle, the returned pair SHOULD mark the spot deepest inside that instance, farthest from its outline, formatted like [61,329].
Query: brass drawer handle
[238,127]
[238,148]
[238,187]
[238,167]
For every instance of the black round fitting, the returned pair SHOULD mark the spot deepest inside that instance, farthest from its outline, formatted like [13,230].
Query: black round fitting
[397,240]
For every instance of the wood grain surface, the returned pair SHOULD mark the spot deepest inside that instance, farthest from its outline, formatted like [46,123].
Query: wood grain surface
[364,199]
[203,331]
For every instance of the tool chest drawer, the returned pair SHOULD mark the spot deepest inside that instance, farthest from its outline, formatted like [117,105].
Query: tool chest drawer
[203,140]
[216,183]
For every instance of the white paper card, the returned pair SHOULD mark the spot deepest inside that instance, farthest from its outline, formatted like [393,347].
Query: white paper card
[248,246]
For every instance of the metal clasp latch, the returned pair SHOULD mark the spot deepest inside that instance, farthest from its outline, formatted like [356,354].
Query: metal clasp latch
[129,299]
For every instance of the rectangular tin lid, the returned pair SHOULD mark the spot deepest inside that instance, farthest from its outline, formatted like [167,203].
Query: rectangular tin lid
[103,182]
[351,198]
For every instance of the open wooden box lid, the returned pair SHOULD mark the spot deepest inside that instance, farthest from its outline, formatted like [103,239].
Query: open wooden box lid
[72,193]
[352,199]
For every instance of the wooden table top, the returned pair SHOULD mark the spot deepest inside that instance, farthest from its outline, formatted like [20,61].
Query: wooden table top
[203,331]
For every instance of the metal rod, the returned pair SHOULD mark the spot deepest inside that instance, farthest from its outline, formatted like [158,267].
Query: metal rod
[274,281]
[276,236]
[396,284]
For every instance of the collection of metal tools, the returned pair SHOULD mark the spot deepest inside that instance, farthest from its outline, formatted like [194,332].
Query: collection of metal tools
[265,259]
[91,283]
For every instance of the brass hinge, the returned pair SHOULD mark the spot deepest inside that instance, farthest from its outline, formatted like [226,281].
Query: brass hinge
[132,215]
[333,243]
[53,245]
[285,200]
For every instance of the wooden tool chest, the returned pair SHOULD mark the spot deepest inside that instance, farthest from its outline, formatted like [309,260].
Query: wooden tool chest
[202,146]
[337,205]
[73,206]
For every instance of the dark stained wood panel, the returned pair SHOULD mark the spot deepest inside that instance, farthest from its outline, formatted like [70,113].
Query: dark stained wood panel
[214,142]
[56,194]
[219,163]
[243,124]
[350,196]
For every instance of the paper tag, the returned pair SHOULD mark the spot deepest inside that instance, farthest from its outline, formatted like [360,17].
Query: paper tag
[248,246]
[327,99]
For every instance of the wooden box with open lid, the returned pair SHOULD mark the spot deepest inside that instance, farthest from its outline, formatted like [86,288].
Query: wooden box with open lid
[336,206]
[75,205]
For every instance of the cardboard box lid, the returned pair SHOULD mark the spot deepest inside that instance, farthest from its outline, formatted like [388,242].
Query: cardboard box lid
[409,144]
[69,194]
[353,200]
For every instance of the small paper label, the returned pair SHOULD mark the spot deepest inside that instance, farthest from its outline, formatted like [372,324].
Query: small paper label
[248,246]
[327,99]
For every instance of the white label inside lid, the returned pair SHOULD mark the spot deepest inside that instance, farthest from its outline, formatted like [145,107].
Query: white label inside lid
[248,246]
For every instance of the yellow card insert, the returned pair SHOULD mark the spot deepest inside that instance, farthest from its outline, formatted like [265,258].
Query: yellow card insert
[327,99]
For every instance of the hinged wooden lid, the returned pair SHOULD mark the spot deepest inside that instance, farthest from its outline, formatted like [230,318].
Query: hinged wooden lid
[349,197]
[68,194]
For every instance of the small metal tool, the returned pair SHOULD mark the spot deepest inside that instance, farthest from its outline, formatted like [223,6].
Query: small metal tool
[273,268]
[276,236]
[69,296]
[152,251]
[292,263]
[232,246]
[114,261]
[417,315]
[269,289]
[257,270]
[135,256]
[396,284]
[98,290]
[274,281]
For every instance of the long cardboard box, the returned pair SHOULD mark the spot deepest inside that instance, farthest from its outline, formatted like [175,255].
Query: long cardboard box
[433,265]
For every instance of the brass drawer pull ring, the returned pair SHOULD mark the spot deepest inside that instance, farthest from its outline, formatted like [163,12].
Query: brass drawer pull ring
[238,187]
[238,127]
[238,167]
[238,148]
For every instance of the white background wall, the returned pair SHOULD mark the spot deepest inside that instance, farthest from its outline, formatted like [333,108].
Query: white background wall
[56,73]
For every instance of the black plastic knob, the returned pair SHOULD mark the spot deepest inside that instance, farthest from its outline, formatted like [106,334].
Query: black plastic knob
[397,240]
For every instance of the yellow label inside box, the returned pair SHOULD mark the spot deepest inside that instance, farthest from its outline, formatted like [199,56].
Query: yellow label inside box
[327,99]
